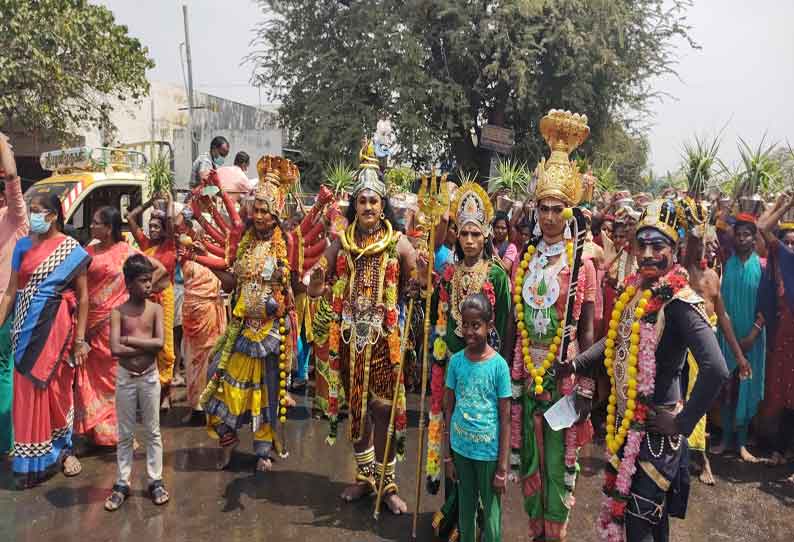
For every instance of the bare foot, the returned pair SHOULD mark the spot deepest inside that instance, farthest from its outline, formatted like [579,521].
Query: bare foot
[290,401]
[747,457]
[135,445]
[719,449]
[777,459]
[395,504]
[707,477]
[226,456]
[790,480]
[264,464]
[356,492]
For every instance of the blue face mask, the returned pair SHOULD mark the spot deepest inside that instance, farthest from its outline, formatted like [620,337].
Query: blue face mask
[218,160]
[38,223]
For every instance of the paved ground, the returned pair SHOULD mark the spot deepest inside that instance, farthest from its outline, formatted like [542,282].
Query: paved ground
[299,499]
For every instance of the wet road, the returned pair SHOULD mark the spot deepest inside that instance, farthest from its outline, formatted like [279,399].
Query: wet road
[299,499]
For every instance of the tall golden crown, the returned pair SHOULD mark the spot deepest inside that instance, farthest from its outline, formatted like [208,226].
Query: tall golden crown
[276,177]
[558,177]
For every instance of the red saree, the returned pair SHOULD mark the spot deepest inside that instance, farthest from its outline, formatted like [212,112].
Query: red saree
[95,389]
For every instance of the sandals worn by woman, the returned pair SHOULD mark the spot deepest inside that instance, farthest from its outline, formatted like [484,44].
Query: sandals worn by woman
[158,493]
[72,466]
[118,495]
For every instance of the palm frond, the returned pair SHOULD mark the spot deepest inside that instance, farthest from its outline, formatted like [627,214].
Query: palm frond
[758,173]
[159,175]
[512,177]
[339,177]
[699,159]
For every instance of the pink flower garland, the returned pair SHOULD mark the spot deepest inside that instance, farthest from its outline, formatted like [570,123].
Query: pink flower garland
[610,521]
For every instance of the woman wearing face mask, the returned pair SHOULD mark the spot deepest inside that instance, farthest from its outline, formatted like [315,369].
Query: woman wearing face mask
[47,290]
[95,389]
[476,271]
[159,244]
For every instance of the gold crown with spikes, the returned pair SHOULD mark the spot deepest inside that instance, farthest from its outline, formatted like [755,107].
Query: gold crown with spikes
[368,176]
[558,177]
[276,177]
[665,216]
[471,204]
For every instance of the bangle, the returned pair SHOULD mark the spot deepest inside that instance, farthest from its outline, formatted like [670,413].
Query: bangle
[756,326]
[498,477]
[447,460]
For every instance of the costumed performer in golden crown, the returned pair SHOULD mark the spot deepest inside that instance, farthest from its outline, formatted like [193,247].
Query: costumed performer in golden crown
[657,320]
[359,279]
[247,383]
[554,297]
[475,271]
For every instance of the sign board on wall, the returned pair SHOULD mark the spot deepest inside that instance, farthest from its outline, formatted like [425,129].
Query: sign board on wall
[497,138]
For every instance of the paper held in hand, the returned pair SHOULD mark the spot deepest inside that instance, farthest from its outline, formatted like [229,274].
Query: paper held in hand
[562,414]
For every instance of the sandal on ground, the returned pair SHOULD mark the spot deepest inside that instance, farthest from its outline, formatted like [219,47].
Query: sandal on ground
[158,493]
[118,495]
[72,466]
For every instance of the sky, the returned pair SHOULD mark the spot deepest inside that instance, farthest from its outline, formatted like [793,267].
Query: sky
[739,78]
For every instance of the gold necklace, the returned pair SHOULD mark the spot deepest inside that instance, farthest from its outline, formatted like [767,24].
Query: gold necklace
[466,281]
[349,243]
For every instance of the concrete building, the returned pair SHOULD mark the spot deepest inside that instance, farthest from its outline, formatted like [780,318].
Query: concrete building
[163,115]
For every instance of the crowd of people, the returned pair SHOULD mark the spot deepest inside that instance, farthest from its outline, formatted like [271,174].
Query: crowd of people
[646,323]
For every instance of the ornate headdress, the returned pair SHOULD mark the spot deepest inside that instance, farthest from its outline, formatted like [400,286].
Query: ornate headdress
[368,176]
[558,177]
[471,205]
[276,176]
[664,216]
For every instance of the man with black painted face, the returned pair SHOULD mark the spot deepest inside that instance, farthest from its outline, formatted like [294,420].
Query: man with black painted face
[656,320]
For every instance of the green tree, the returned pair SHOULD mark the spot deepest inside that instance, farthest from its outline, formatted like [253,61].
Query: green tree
[442,69]
[63,62]
[626,153]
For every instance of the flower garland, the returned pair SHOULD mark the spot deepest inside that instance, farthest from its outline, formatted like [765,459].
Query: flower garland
[537,373]
[540,380]
[341,287]
[641,371]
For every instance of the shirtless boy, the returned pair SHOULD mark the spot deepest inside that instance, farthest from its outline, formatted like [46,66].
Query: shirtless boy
[136,336]
[706,283]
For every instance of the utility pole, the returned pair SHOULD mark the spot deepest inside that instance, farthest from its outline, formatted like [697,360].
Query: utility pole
[193,145]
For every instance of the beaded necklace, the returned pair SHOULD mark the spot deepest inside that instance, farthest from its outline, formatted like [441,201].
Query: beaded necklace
[537,373]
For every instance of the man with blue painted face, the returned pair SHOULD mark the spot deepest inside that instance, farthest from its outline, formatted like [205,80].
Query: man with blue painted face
[207,161]
[657,319]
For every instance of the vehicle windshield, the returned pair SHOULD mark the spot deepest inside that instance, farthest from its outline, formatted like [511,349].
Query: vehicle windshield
[38,189]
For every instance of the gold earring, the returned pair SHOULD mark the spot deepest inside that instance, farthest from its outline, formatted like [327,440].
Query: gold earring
[382,216]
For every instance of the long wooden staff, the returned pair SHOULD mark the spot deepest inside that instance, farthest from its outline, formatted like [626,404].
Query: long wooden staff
[403,347]
[434,205]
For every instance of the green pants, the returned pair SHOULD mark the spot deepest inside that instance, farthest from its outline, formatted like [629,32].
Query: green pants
[6,387]
[475,479]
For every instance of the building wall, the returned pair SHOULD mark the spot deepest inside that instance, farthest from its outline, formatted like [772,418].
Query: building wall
[164,116]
